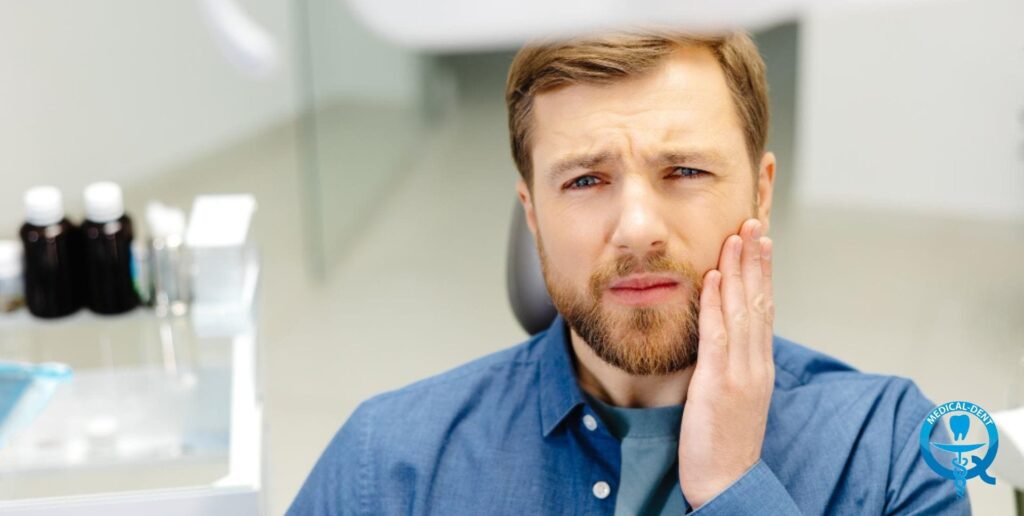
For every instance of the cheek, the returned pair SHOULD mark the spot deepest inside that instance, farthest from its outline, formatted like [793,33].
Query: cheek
[570,246]
[704,226]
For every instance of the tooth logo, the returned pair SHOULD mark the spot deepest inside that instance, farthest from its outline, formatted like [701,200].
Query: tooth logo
[959,425]
[958,415]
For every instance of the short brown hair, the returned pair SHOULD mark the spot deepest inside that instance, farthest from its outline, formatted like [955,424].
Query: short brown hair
[602,59]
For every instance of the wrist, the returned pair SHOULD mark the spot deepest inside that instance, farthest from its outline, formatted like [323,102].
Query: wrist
[710,487]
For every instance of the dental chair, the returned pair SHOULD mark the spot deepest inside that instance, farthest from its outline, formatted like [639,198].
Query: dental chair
[527,292]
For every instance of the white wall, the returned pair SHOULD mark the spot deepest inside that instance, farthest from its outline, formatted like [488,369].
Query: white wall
[120,89]
[918,107]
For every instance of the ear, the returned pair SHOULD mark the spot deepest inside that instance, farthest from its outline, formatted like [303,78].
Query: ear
[526,199]
[765,186]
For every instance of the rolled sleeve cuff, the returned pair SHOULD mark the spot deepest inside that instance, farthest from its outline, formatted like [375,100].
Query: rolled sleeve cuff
[758,491]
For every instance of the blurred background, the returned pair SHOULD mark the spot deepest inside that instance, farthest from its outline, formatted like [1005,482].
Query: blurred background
[379,160]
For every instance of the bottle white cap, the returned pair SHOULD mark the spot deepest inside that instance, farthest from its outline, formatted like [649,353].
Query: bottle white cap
[103,202]
[44,206]
[164,221]
[10,259]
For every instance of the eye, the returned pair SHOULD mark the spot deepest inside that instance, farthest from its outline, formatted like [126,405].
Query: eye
[580,184]
[688,172]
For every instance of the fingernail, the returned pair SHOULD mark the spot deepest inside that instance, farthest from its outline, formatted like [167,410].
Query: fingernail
[756,233]
[766,253]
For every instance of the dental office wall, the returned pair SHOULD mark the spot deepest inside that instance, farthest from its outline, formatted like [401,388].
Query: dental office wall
[121,90]
[917,106]
[126,91]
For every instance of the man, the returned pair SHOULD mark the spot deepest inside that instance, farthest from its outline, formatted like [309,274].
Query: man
[660,387]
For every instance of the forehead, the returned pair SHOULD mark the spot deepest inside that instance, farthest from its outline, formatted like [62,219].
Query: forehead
[685,99]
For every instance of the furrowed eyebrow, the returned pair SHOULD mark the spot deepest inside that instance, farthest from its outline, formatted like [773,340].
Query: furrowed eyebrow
[705,157]
[677,157]
[579,161]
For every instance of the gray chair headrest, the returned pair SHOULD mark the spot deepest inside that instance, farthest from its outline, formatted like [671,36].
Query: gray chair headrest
[527,292]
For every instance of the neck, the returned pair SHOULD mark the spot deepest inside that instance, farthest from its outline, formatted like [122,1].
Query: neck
[619,388]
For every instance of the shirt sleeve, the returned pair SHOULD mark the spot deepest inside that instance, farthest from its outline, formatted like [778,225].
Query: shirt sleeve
[758,491]
[338,483]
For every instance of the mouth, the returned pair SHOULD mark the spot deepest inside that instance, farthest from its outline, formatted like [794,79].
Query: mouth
[644,291]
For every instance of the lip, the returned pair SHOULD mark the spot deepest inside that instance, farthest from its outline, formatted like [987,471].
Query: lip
[644,281]
[644,290]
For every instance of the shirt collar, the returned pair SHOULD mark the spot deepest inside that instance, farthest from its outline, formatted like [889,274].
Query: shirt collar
[559,388]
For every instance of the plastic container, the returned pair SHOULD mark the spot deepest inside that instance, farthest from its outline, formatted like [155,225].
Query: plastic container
[25,389]
[224,264]
[168,260]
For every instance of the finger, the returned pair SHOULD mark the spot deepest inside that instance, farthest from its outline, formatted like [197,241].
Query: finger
[734,305]
[752,274]
[766,286]
[713,348]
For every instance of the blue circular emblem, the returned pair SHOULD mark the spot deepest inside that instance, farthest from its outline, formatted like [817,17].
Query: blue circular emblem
[958,415]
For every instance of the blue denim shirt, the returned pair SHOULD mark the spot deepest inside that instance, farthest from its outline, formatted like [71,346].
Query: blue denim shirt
[504,434]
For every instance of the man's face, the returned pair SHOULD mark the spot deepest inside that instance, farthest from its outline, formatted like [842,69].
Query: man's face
[644,178]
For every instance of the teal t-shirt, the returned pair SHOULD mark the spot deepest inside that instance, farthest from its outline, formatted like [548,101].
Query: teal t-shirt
[649,440]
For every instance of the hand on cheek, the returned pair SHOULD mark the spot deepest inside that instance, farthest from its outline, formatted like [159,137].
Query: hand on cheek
[727,402]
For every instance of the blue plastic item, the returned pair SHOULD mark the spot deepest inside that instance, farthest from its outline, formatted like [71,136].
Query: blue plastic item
[25,389]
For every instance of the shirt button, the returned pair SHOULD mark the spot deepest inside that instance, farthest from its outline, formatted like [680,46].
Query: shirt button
[590,422]
[602,490]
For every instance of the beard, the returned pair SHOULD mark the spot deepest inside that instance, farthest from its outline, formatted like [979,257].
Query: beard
[641,340]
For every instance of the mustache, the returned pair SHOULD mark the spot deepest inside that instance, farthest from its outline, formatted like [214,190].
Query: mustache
[654,262]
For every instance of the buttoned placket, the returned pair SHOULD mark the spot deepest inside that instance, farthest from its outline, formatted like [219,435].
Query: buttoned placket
[602,483]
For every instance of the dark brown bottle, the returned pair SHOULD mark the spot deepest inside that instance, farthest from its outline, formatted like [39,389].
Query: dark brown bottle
[52,260]
[107,235]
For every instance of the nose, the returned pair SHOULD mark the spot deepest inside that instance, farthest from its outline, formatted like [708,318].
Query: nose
[641,227]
